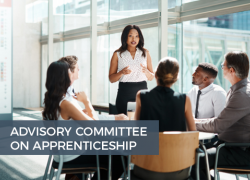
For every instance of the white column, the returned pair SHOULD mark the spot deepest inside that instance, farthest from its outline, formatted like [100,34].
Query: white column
[93,51]
[50,33]
[163,28]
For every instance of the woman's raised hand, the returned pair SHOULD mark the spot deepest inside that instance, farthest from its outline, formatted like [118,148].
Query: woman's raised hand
[81,96]
[126,70]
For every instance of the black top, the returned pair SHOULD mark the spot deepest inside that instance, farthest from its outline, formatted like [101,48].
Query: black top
[165,105]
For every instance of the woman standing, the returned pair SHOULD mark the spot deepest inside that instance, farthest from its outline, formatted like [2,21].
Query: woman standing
[131,65]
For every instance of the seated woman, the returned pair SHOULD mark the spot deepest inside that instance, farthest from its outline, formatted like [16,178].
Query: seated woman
[172,109]
[57,106]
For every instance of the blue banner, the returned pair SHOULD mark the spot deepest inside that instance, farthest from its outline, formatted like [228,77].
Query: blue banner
[79,137]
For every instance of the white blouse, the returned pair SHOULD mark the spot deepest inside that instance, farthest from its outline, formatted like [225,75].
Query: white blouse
[66,158]
[134,65]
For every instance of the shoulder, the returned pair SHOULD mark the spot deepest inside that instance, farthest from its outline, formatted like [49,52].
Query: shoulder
[115,56]
[117,50]
[180,95]
[180,98]
[194,88]
[144,95]
[187,100]
[241,94]
[120,54]
[144,91]
[152,92]
[247,89]
[239,99]
[143,50]
[219,90]
[65,103]
[147,52]
[116,53]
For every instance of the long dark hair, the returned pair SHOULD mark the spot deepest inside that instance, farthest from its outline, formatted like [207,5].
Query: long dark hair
[57,83]
[124,39]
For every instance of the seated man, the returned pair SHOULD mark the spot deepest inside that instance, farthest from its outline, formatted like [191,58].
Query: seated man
[207,99]
[72,61]
[233,123]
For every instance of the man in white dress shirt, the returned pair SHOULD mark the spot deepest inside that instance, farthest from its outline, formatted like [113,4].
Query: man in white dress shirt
[207,99]
[72,61]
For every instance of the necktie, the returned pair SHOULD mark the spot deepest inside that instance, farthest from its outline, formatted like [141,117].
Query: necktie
[197,103]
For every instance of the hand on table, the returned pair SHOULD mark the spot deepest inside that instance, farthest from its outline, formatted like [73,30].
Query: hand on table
[121,117]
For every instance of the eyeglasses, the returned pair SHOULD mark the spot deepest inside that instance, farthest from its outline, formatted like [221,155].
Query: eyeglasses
[222,66]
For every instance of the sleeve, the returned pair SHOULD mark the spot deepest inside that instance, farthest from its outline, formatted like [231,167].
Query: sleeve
[219,102]
[106,117]
[237,107]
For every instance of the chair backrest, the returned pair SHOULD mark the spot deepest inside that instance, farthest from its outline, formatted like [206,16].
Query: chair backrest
[176,152]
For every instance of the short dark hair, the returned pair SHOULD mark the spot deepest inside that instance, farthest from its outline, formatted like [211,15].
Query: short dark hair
[239,61]
[209,69]
[167,71]
[71,60]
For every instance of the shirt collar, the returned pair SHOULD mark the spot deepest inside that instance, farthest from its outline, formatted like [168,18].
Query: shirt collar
[70,91]
[207,89]
[137,50]
[239,84]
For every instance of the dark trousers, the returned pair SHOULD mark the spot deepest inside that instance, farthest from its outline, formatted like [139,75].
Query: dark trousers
[126,93]
[90,161]
[228,156]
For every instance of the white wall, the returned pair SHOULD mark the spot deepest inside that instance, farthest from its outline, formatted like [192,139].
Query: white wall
[26,59]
